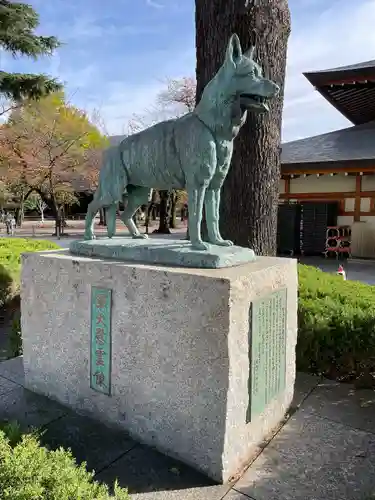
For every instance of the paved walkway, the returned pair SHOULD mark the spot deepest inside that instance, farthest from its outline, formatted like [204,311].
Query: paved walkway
[325,451]
[75,228]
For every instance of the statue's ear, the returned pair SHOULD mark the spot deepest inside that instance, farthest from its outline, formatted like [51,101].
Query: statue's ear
[234,50]
[250,52]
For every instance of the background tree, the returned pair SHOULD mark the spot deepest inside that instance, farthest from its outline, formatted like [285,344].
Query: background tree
[250,194]
[179,96]
[49,148]
[175,100]
[35,203]
[18,23]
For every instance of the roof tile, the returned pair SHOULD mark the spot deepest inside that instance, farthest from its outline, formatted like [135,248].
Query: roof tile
[352,143]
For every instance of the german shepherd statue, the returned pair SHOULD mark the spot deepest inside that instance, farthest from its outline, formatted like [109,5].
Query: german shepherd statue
[192,152]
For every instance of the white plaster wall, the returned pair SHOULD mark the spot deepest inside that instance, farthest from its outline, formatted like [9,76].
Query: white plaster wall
[345,220]
[365,204]
[368,183]
[368,218]
[323,184]
[281,186]
[349,204]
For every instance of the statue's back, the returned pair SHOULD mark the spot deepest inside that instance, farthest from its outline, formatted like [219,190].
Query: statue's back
[156,156]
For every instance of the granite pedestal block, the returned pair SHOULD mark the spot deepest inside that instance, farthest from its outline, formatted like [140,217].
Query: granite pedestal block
[201,361]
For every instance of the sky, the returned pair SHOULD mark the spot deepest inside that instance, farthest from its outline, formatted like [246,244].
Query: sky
[117,55]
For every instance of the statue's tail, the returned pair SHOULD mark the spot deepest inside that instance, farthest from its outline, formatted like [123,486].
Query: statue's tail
[112,178]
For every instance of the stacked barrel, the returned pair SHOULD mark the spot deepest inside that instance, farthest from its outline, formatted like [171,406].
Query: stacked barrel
[338,241]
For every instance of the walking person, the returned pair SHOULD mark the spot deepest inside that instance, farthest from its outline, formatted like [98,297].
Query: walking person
[10,223]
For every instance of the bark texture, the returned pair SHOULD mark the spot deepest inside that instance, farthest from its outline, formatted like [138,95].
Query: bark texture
[164,227]
[250,194]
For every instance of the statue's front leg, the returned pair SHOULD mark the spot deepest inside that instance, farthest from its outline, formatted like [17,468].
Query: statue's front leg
[212,208]
[195,201]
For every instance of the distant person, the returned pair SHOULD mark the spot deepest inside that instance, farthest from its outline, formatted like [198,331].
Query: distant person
[10,223]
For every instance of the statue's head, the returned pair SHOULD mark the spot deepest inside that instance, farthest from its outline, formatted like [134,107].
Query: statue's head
[242,77]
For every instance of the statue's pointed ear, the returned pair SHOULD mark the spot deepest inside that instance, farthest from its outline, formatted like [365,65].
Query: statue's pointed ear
[234,50]
[250,52]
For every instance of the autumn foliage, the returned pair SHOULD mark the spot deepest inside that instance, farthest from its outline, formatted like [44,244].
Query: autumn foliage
[52,148]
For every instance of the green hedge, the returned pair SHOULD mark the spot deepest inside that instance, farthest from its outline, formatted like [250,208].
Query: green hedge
[30,471]
[336,318]
[11,250]
[336,324]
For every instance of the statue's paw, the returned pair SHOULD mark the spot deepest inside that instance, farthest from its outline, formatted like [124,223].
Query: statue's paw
[224,243]
[140,236]
[89,236]
[200,245]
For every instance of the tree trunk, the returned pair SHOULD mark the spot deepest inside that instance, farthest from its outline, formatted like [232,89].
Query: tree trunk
[102,217]
[64,224]
[250,193]
[20,212]
[164,213]
[173,217]
[56,211]
[57,216]
[150,210]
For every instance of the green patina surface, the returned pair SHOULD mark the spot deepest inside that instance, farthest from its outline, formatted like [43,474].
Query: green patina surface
[267,350]
[101,345]
[163,252]
[193,152]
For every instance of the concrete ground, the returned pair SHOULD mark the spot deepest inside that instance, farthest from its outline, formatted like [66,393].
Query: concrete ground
[75,228]
[325,451]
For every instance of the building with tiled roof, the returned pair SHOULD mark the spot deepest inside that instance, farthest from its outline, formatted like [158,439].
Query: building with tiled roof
[335,169]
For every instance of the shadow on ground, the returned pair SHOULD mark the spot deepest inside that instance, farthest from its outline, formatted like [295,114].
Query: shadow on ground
[325,451]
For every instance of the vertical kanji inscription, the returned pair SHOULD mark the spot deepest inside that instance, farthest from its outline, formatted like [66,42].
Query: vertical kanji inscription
[101,344]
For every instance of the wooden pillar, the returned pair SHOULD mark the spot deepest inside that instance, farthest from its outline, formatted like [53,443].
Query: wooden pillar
[287,185]
[342,207]
[357,200]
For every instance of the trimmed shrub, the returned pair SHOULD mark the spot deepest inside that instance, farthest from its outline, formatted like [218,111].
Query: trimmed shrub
[336,324]
[30,471]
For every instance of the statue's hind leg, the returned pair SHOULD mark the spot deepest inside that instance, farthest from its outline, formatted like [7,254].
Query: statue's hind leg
[111,220]
[136,196]
[92,210]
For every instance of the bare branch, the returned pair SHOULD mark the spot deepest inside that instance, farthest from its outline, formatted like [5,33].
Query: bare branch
[179,92]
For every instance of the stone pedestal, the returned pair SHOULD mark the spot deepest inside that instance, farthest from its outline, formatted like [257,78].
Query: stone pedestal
[199,363]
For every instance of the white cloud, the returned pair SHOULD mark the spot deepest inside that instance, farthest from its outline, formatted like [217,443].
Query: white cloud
[341,35]
[76,78]
[154,4]
[122,100]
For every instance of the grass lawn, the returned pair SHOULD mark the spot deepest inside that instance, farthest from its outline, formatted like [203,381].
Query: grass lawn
[11,250]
